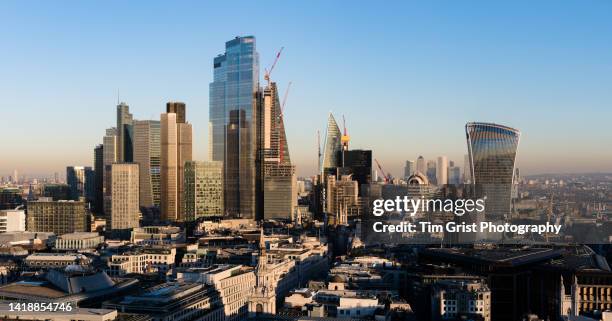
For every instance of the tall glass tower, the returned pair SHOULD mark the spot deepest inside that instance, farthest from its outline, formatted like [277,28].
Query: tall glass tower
[492,152]
[233,123]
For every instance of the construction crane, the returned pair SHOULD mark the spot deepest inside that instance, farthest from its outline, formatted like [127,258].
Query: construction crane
[280,121]
[268,72]
[345,138]
[386,176]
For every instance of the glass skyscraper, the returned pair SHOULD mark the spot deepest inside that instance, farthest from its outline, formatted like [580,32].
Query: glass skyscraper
[492,152]
[233,122]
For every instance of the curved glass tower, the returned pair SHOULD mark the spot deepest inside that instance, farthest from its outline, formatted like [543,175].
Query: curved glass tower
[492,152]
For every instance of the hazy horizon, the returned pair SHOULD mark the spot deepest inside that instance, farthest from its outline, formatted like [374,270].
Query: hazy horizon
[407,76]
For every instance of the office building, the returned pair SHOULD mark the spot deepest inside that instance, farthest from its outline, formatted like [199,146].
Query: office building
[109,158]
[59,217]
[203,190]
[332,147]
[454,175]
[233,123]
[460,299]
[409,169]
[159,259]
[124,133]
[57,192]
[176,149]
[234,283]
[10,198]
[421,167]
[80,179]
[358,164]
[178,301]
[98,193]
[12,221]
[431,172]
[442,170]
[278,174]
[124,197]
[492,152]
[147,154]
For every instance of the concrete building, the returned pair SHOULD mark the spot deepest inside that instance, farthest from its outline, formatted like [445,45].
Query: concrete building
[454,299]
[233,282]
[54,260]
[157,235]
[421,167]
[147,154]
[142,260]
[203,185]
[78,241]
[442,171]
[342,198]
[59,217]
[176,149]
[124,197]
[177,301]
[110,146]
[12,221]
[409,169]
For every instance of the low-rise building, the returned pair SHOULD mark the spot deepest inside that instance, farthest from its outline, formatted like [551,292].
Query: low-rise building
[9,313]
[233,282]
[157,235]
[176,301]
[54,260]
[451,299]
[142,260]
[12,221]
[78,241]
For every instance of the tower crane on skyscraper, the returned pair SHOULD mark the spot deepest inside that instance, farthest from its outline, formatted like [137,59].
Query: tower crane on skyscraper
[280,121]
[268,72]
[386,176]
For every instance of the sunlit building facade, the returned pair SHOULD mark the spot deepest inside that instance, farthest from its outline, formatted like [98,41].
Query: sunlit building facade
[147,154]
[233,123]
[492,152]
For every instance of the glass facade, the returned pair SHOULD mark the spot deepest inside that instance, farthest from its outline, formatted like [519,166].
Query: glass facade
[333,145]
[233,122]
[492,152]
[147,153]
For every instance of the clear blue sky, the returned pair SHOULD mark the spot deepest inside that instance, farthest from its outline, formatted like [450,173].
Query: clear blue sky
[406,75]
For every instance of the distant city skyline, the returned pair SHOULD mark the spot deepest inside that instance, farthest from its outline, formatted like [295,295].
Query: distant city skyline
[407,77]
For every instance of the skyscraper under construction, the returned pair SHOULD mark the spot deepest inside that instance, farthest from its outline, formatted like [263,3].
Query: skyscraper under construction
[276,180]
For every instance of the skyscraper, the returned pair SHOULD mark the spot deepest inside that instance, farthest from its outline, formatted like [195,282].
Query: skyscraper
[233,123]
[110,157]
[147,154]
[78,178]
[467,173]
[203,186]
[278,175]
[98,206]
[332,146]
[492,153]
[125,185]
[176,149]
[124,133]
[409,169]
[358,163]
[431,171]
[420,165]
[442,170]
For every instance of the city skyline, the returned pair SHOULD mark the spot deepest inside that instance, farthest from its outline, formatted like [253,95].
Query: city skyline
[440,86]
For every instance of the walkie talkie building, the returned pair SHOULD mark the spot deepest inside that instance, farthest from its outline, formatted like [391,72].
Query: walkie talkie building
[492,152]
